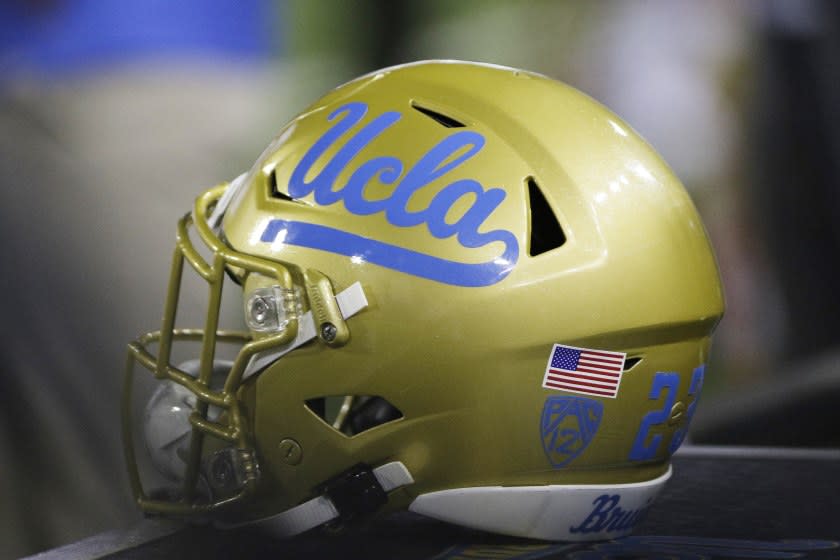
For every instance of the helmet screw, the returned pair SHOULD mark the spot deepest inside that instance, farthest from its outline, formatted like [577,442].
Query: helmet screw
[222,471]
[290,452]
[677,413]
[328,332]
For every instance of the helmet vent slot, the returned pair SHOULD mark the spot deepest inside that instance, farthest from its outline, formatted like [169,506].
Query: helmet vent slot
[630,363]
[353,414]
[546,233]
[273,191]
[440,118]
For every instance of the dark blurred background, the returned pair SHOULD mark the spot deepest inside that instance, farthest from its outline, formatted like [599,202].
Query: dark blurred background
[115,115]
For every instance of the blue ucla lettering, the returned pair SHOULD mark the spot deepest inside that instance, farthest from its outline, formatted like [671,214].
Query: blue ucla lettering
[609,517]
[323,184]
[441,159]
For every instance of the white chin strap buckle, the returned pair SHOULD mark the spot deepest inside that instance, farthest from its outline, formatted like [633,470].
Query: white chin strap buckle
[356,492]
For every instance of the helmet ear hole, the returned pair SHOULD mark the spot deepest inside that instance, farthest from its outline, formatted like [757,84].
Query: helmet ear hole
[373,412]
[353,414]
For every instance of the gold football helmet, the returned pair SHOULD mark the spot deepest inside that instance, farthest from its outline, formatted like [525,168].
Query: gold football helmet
[469,291]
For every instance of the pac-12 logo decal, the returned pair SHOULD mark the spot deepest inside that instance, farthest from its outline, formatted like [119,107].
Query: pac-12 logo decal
[568,426]
[440,160]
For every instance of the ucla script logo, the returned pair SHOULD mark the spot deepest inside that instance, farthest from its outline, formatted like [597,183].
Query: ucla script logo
[389,170]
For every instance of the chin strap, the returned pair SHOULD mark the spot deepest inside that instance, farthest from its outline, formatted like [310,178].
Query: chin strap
[355,492]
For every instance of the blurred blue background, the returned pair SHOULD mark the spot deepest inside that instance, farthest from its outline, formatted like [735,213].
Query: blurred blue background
[115,115]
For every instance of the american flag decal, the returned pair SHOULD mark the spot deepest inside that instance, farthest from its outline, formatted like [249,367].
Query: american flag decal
[583,370]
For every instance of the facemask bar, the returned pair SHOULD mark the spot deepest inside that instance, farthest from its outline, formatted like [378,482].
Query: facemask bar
[230,426]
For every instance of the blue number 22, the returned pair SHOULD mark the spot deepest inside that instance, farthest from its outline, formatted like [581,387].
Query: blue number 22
[669,382]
